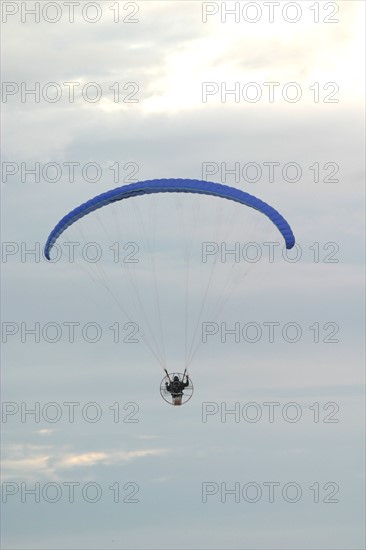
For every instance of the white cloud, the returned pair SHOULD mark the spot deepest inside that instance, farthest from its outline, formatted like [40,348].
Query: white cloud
[50,462]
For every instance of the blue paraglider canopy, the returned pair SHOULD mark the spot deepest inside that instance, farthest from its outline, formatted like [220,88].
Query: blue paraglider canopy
[171,186]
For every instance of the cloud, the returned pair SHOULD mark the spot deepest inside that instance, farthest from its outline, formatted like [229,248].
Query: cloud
[107,458]
[45,431]
[49,462]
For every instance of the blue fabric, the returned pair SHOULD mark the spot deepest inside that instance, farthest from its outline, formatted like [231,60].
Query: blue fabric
[170,186]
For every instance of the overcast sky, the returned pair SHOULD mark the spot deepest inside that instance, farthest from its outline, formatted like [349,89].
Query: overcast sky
[182,89]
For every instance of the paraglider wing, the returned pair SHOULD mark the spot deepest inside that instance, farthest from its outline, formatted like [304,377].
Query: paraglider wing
[170,186]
